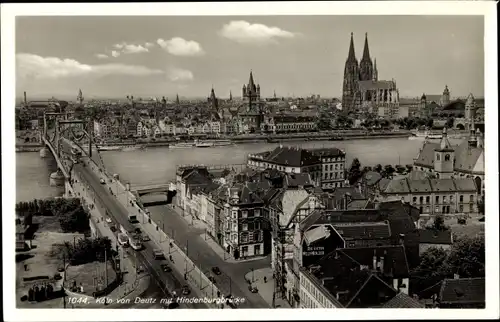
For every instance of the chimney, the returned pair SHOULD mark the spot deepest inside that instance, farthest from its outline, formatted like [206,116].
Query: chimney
[374,260]
[25,99]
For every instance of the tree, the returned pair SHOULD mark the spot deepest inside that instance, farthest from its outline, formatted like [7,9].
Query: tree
[354,173]
[467,257]
[431,270]
[438,224]
[388,171]
[378,168]
[400,169]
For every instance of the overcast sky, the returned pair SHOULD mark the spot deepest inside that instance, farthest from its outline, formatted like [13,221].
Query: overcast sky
[301,55]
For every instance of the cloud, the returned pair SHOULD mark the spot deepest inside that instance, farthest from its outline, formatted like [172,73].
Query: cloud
[115,53]
[131,48]
[247,33]
[102,56]
[34,66]
[179,75]
[149,44]
[180,47]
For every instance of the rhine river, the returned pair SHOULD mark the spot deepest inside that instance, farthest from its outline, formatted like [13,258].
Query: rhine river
[157,165]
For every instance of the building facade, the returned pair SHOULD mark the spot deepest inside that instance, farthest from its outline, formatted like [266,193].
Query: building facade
[333,167]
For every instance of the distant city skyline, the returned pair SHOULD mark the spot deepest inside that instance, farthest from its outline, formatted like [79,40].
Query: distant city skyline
[112,57]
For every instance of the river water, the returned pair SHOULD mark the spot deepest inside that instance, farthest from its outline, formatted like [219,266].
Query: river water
[157,165]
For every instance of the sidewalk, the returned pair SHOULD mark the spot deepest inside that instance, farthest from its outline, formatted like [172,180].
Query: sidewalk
[266,290]
[133,284]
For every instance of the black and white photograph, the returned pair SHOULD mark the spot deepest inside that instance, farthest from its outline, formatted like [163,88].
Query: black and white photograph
[225,156]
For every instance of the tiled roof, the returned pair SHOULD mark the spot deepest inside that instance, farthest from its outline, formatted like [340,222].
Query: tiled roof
[399,186]
[394,258]
[406,186]
[195,178]
[327,152]
[298,179]
[462,291]
[429,236]
[358,204]
[340,192]
[426,154]
[403,301]
[372,294]
[467,157]
[363,230]
[291,156]
[465,185]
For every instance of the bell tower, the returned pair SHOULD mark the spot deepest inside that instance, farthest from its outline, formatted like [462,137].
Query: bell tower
[444,158]
[351,79]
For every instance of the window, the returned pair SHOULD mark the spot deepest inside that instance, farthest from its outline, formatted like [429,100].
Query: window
[444,199]
[461,208]
[421,209]
[244,237]
[414,199]
[447,157]
[427,199]
[471,198]
[438,157]
[437,209]
[250,237]
[336,167]
[244,227]
[461,198]
[421,199]
[256,236]
[244,213]
[256,250]
[451,198]
[256,212]
[244,250]
[437,199]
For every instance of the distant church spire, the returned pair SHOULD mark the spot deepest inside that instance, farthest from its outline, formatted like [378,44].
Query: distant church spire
[366,65]
[366,50]
[375,70]
[352,55]
[177,99]
[230,96]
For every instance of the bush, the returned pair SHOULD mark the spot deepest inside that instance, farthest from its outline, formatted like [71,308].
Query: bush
[87,250]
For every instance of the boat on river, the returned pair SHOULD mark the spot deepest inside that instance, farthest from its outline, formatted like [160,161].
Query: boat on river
[109,148]
[425,135]
[182,145]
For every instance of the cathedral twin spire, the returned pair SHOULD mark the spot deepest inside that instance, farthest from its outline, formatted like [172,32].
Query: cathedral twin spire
[367,68]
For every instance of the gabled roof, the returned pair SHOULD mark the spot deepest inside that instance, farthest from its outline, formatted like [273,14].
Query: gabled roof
[327,152]
[462,291]
[403,301]
[363,230]
[298,179]
[467,157]
[291,156]
[394,258]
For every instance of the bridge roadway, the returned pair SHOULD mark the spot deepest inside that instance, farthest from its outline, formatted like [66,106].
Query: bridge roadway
[120,216]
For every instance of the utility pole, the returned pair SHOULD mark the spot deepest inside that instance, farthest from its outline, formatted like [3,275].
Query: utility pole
[106,266]
[64,280]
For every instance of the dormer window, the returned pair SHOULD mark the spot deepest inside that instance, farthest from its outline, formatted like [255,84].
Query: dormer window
[447,157]
[438,157]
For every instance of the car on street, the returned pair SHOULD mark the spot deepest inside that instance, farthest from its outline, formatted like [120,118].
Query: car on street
[186,290]
[165,268]
[158,254]
[102,181]
[216,270]
[108,220]
[145,238]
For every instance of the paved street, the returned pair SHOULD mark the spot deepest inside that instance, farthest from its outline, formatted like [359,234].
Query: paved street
[119,214]
[232,279]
